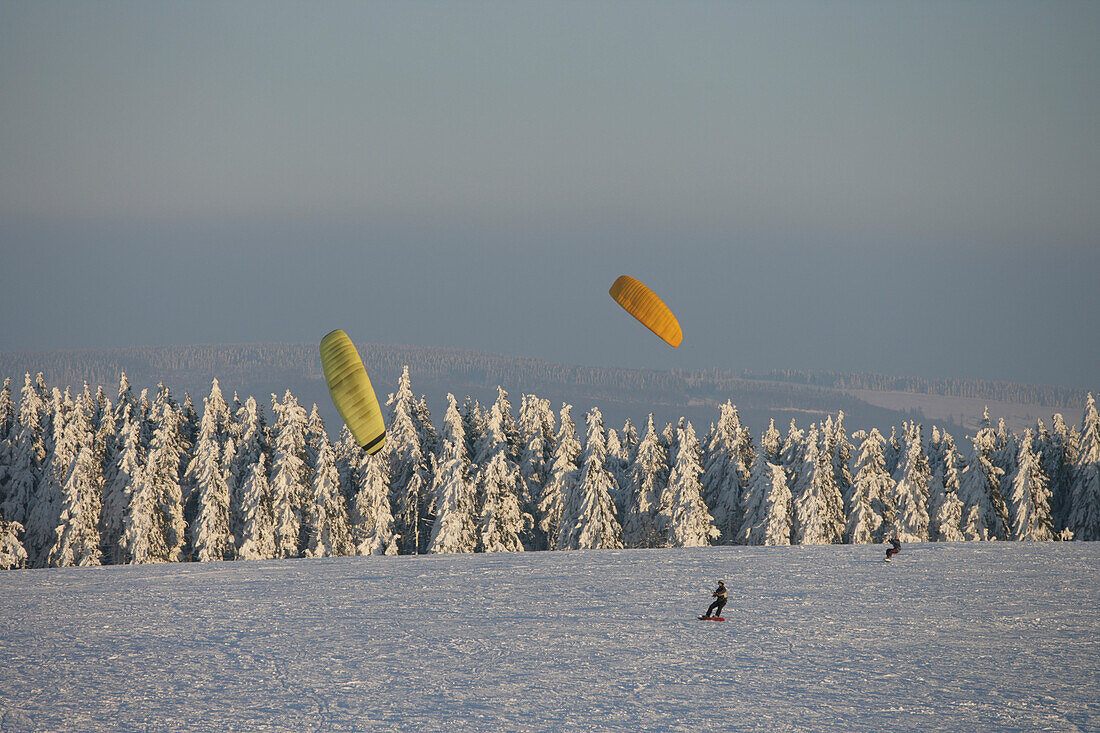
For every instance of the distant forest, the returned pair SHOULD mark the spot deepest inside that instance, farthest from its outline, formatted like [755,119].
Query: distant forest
[1028,394]
[162,363]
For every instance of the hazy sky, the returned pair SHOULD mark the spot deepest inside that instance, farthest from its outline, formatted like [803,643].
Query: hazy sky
[911,188]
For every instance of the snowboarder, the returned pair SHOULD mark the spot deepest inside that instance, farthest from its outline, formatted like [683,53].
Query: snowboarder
[719,596]
[895,547]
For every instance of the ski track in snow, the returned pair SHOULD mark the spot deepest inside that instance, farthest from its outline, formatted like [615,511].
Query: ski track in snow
[949,637]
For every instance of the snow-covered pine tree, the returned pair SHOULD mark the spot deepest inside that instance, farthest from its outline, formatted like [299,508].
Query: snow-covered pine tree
[619,468]
[409,470]
[985,515]
[290,479]
[501,522]
[119,483]
[154,527]
[945,507]
[1083,517]
[842,450]
[683,518]
[208,476]
[560,481]
[536,426]
[892,451]
[870,487]
[455,528]
[372,520]
[771,443]
[12,553]
[327,515]
[1059,451]
[7,423]
[248,433]
[45,508]
[911,488]
[648,479]
[768,505]
[793,457]
[28,455]
[473,423]
[1030,499]
[818,505]
[588,519]
[76,538]
[257,533]
[726,473]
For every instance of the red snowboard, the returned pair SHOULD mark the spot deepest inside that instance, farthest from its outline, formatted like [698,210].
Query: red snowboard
[711,618]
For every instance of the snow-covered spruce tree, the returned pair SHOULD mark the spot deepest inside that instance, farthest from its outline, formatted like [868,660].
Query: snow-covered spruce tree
[473,423]
[768,506]
[945,507]
[121,479]
[985,515]
[154,528]
[327,517]
[1083,517]
[726,472]
[455,528]
[290,479]
[45,508]
[409,467]
[818,505]
[892,451]
[1004,455]
[248,434]
[561,480]
[7,423]
[1030,499]
[77,539]
[911,489]
[648,479]
[841,451]
[372,520]
[683,518]
[208,476]
[536,426]
[588,519]
[257,533]
[771,443]
[501,520]
[793,457]
[872,488]
[1058,448]
[619,468]
[28,455]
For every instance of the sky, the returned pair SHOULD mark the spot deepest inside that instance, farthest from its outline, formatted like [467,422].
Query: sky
[907,188]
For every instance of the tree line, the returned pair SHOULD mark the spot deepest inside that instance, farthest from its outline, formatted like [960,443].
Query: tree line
[1028,394]
[87,479]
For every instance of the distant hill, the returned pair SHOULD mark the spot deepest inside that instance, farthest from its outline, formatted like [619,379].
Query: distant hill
[262,369]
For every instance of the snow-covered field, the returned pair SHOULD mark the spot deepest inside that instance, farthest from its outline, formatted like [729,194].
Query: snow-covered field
[982,636]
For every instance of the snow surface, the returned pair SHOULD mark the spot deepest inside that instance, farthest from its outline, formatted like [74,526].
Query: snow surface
[953,637]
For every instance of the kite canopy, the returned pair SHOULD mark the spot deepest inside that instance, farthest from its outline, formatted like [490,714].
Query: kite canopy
[352,392]
[642,303]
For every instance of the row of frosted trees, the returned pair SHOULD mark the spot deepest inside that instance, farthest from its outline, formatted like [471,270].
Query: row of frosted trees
[87,480]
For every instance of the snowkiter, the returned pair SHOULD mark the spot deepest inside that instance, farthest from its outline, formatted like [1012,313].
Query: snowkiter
[895,547]
[719,596]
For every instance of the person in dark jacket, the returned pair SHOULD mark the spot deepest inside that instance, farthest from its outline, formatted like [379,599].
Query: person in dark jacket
[895,547]
[719,596]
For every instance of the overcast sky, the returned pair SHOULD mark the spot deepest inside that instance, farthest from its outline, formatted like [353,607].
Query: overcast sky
[912,188]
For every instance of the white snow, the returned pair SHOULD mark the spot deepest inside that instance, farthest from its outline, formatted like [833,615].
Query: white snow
[949,637]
